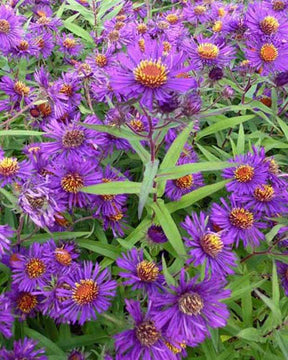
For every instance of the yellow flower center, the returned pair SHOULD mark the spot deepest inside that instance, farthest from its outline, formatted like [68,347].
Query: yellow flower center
[4,26]
[147,333]
[116,217]
[218,25]
[199,10]
[35,268]
[72,183]
[269,25]
[137,125]
[244,173]
[26,302]
[8,166]
[212,244]
[221,12]
[21,89]
[172,19]
[151,73]
[44,20]
[241,218]
[278,5]
[273,167]
[141,44]
[114,35]
[101,60]
[63,257]
[67,90]
[147,271]
[69,43]
[45,109]
[190,304]
[175,350]
[166,46]
[23,45]
[208,51]
[268,53]
[264,193]
[142,28]
[185,182]
[85,292]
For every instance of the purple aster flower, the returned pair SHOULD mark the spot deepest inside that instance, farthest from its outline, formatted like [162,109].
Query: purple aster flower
[16,90]
[279,6]
[25,48]
[5,233]
[267,55]
[209,52]
[25,303]
[150,74]
[191,308]
[175,189]
[62,255]
[70,176]
[206,246]
[71,140]
[140,273]
[156,235]
[267,200]
[10,258]
[283,273]
[24,349]
[46,23]
[110,204]
[116,222]
[40,202]
[32,270]
[197,13]
[262,21]
[99,61]
[89,292]
[69,86]
[250,172]
[69,45]
[238,222]
[10,28]
[145,340]
[6,317]
[11,170]
[45,43]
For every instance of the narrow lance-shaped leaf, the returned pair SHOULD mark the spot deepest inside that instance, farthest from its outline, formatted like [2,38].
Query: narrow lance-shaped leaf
[169,227]
[114,188]
[196,195]
[147,184]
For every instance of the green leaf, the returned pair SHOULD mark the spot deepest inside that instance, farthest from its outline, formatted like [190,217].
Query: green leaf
[84,11]
[147,184]
[13,200]
[250,334]
[140,150]
[107,250]
[222,125]
[196,195]
[275,310]
[136,235]
[79,31]
[112,130]
[49,345]
[283,126]
[169,227]
[107,5]
[275,286]
[168,277]
[241,140]
[114,188]
[282,344]
[41,238]
[20,133]
[182,170]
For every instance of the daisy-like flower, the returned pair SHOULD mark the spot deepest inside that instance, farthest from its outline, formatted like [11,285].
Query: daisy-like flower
[188,309]
[5,233]
[282,270]
[25,303]
[140,273]
[77,355]
[25,48]
[45,43]
[249,172]
[69,45]
[46,23]
[16,90]
[116,222]
[197,13]
[40,202]
[145,340]
[267,200]
[69,179]
[6,317]
[12,170]
[71,139]
[279,6]
[238,222]
[62,255]
[267,56]
[10,28]
[265,22]
[24,349]
[150,74]
[88,292]
[32,270]
[69,86]
[209,52]
[156,235]
[99,61]
[206,245]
